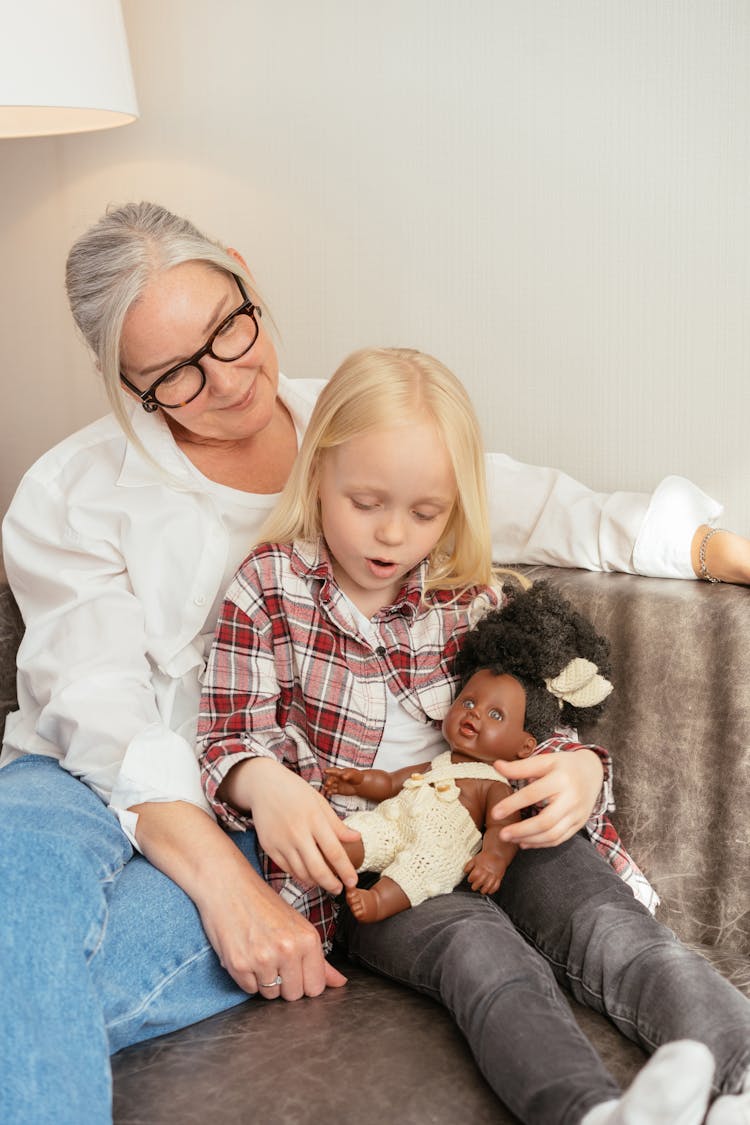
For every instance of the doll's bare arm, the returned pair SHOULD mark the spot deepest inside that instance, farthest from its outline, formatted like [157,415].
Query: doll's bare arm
[375,785]
[486,869]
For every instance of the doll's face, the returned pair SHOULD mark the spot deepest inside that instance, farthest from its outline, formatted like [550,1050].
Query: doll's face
[485,722]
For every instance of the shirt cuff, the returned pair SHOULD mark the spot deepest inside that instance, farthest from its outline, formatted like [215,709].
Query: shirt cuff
[605,802]
[215,772]
[159,765]
[676,511]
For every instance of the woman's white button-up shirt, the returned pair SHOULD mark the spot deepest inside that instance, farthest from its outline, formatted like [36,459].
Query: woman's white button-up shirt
[118,562]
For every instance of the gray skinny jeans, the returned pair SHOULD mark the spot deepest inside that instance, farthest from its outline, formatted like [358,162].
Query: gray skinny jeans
[561,915]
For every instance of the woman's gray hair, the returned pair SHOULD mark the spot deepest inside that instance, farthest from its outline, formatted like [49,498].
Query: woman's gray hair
[109,267]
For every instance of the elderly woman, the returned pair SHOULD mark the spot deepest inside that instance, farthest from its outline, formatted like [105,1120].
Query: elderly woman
[126,910]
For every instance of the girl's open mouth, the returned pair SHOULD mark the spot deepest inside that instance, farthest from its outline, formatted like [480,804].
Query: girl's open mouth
[382,568]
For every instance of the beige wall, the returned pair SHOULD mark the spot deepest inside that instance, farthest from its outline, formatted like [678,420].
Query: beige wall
[552,197]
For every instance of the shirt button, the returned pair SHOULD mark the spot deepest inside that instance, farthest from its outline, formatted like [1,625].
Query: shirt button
[199,599]
[380,651]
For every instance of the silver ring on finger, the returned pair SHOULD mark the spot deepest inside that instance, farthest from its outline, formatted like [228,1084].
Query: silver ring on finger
[273,984]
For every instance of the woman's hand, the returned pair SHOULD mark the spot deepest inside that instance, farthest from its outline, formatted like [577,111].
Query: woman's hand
[295,825]
[567,784]
[259,937]
[256,935]
[726,555]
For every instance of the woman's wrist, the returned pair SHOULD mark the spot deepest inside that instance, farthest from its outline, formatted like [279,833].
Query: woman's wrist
[185,843]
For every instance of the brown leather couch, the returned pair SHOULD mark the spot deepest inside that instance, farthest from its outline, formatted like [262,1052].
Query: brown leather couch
[678,726]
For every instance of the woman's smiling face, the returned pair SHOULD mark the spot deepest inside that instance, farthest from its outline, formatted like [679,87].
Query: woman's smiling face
[171,320]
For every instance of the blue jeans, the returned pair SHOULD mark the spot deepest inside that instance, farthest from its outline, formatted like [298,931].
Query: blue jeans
[98,949]
[563,915]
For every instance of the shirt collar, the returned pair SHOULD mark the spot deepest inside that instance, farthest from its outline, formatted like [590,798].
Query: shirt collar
[163,452]
[312,560]
[158,454]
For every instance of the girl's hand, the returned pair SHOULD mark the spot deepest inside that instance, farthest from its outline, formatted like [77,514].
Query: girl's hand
[295,825]
[567,784]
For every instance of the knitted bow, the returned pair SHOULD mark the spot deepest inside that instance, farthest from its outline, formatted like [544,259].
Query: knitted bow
[579,684]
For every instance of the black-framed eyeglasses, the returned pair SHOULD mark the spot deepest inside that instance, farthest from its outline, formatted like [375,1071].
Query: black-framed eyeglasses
[232,339]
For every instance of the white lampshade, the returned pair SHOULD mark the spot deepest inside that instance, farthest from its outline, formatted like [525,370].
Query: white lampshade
[64,67]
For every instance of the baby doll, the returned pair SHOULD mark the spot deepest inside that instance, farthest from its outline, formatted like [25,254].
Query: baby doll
[522,671]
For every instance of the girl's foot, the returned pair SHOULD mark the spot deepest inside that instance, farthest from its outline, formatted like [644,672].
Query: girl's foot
[672,1089]
[732,1109]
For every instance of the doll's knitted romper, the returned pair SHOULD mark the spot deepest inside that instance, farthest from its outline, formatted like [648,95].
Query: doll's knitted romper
[423,837]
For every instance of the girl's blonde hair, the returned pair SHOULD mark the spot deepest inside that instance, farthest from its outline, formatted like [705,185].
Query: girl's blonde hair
[109,267]
[384,387]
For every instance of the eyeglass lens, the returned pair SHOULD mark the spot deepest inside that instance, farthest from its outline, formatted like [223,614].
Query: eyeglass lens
[233,340]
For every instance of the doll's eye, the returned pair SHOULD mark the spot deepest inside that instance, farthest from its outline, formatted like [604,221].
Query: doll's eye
[468,704]
[495,714]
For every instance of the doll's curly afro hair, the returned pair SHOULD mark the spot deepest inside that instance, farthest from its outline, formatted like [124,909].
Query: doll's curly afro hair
[532,638]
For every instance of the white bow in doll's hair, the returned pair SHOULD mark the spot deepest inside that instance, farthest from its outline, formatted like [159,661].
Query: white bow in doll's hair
[579,684]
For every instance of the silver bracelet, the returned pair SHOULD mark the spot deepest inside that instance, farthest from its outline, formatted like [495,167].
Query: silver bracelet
[702,555]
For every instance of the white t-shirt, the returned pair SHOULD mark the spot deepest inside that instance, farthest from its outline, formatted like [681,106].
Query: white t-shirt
[405,741]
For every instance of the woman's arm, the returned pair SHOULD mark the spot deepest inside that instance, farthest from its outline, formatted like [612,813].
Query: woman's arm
[85,684]
[254,933]
[541,515]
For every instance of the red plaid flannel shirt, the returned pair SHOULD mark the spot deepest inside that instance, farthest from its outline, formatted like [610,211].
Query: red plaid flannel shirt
[291,677]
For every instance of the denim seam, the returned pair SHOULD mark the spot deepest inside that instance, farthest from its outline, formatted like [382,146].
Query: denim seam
[644,1035]
[647,1035]
[372,963]
[102,926]
[163,983]
[409,982]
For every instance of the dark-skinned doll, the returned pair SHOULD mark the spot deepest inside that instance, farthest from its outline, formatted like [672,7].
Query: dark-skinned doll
[523,671]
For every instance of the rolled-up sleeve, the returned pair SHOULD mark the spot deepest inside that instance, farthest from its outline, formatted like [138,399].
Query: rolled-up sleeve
[541,515]
[84,679]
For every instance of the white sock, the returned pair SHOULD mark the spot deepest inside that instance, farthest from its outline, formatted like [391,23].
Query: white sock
[673,1088]
[732,1109]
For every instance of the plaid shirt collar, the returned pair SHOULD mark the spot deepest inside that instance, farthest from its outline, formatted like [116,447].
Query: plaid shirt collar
[311,560]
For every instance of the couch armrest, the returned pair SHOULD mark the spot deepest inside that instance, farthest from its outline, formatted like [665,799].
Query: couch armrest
[678,728]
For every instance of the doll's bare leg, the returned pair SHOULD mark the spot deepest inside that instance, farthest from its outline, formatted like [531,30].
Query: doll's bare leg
[382,900]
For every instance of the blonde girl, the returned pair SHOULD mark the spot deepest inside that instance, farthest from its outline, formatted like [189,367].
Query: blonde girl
[335,647]
[382,389]
[385,509]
